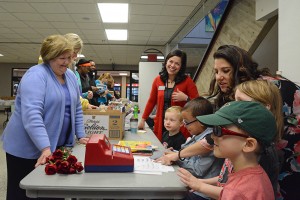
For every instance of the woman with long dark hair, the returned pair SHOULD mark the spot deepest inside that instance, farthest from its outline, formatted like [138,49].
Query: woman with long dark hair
[233,66]
[172,87]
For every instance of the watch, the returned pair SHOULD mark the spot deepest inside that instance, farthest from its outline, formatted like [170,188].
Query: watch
[181,159]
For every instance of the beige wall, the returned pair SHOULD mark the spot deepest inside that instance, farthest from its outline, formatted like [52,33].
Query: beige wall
[266,55]
[289,28]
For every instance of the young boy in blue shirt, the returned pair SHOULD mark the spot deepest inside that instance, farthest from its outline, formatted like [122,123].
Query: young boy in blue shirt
[207,166]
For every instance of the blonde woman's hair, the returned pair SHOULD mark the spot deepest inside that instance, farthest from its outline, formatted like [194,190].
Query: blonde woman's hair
[75,40]
[109,78]
[268,94]
[40,61]
[176,109]
[54,46]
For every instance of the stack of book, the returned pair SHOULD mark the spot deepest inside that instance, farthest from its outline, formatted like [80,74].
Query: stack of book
[143,148]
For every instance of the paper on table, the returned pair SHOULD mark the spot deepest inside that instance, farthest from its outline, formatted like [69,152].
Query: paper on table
[146,165]
[141,131]
[144,172]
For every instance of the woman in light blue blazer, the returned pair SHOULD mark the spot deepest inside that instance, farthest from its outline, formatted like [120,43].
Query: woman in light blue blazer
[47,114]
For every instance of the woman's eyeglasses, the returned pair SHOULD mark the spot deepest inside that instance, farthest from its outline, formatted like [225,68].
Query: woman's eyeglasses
[220,131]
[188,123]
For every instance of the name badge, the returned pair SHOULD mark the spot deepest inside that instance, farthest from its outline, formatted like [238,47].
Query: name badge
[161,88]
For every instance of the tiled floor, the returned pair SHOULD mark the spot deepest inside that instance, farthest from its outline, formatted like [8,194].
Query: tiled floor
[2,161]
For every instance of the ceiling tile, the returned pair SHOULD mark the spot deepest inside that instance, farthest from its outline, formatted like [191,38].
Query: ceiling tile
[15,24]
[174,20]
[25,23]
[81,7]
[142,27]
[59,25]
[182,3]
[86,18]
[139,9]
[95,27]
[49,7]
[57,17]
[145,19]
[7,17]
[38,25]
[14,7]
[139,33]
[5,30]
[177,10]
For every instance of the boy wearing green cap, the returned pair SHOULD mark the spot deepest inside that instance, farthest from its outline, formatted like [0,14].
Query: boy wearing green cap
[243,130]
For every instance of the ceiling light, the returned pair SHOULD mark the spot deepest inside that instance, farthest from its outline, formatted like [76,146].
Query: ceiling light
[123,74]
[80,56]
[1,54]
[116,34]
[113,12]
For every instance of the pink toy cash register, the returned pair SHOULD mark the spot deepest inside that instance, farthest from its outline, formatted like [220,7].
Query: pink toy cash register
[101,156]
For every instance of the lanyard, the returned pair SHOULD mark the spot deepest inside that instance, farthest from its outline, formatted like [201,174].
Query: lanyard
[169,94]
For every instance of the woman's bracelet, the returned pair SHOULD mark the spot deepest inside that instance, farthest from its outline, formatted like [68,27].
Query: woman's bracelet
[181,159]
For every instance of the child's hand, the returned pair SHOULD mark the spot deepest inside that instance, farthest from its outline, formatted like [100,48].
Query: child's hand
[188,179]
[165,145]
[171,148]
[168,158]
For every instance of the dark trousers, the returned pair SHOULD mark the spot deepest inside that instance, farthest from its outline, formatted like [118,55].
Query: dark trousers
[193,196]
[17,169]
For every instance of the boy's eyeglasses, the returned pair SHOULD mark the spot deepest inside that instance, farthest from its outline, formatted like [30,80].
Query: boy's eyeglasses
[220,131]
[188,123]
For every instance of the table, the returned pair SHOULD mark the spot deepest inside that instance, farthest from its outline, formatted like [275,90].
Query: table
[106,185]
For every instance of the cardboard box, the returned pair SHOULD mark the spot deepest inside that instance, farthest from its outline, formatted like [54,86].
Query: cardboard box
[111,123]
